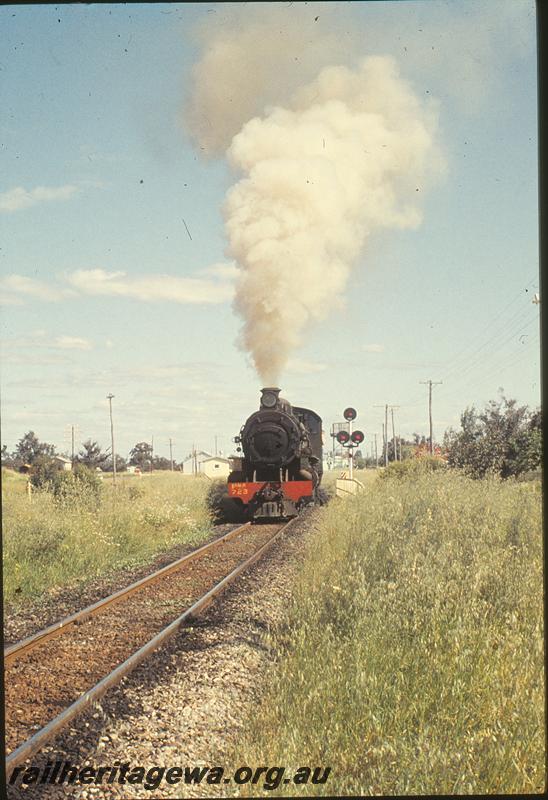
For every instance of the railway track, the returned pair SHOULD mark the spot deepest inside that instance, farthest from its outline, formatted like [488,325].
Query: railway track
[56,674]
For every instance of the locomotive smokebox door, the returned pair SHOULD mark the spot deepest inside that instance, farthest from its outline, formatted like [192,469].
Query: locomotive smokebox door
[269,397]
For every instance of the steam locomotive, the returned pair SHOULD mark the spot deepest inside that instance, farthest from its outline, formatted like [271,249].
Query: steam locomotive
[281,467]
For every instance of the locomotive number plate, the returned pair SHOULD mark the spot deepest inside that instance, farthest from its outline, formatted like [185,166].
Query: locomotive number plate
[238,489]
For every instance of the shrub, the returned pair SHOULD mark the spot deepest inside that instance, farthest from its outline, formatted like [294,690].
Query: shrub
[505,439]
[413,468]
[213,498]
[44,472]
[81,487]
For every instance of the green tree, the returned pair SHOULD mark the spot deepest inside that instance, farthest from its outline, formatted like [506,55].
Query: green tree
[121,464]
[159,462]
[504,438]
[141,455]
[29,448]
[92,456]
[8,459]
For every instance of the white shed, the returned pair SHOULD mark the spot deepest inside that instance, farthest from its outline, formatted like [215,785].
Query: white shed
[63,463]
[215,467]
[193,463]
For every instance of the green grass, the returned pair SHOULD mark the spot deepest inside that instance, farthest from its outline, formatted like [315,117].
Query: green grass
[412,660]
[48,544]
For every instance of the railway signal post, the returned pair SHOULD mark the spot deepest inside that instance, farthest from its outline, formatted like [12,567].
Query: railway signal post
[350,438]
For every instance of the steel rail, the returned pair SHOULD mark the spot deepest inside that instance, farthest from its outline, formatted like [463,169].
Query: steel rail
[18,649]
[39,739]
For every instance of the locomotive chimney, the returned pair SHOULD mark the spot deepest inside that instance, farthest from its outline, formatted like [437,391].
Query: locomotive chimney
[269,397]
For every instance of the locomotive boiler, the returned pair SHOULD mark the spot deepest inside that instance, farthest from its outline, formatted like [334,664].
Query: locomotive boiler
[280,470]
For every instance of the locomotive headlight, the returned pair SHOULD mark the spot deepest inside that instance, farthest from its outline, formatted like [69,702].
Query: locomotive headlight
[269,399]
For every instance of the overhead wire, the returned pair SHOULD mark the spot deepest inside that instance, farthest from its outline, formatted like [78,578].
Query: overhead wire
[474,357]
[463,353]
[498,344]
[510,360]
[477,356]
[467,360]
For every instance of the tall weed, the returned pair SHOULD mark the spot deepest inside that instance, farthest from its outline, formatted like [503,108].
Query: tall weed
[412,662]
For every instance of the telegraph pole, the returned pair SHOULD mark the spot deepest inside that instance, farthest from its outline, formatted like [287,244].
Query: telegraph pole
[386,435]
[430,383]
[70,435]
[376,453]
[113,451]
[171,453]
[385,431]
[394,436]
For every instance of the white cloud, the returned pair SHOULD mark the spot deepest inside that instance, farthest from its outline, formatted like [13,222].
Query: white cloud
[373,348]
[31,347]
[72,343]
[218,288]
[20,198]
[298,365]
[221,270]
[15,287]
[151,287]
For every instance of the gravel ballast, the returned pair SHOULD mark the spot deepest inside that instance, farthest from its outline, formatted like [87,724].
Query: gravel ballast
[188,703]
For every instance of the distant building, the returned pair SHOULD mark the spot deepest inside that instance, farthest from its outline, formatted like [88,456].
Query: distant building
[193,463]
[63,463]
[215,467]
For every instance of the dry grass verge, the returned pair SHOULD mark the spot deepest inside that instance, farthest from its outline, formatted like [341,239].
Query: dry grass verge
[50,542]
[412,662]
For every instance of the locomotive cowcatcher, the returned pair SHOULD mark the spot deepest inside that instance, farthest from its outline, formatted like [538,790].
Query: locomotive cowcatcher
[281,467]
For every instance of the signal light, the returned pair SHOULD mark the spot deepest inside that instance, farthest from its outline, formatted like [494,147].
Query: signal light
[357,437]
[350,414]
[343,437]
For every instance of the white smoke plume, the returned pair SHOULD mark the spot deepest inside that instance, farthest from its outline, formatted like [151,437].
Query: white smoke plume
[323,162]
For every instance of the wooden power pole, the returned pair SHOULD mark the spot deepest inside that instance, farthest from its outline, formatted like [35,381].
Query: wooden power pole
[430,384]
[112,450]
[385,431]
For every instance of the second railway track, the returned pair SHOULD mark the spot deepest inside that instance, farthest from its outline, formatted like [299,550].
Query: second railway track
[56,674]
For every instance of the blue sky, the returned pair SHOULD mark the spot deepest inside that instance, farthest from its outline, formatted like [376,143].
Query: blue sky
[99,176]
